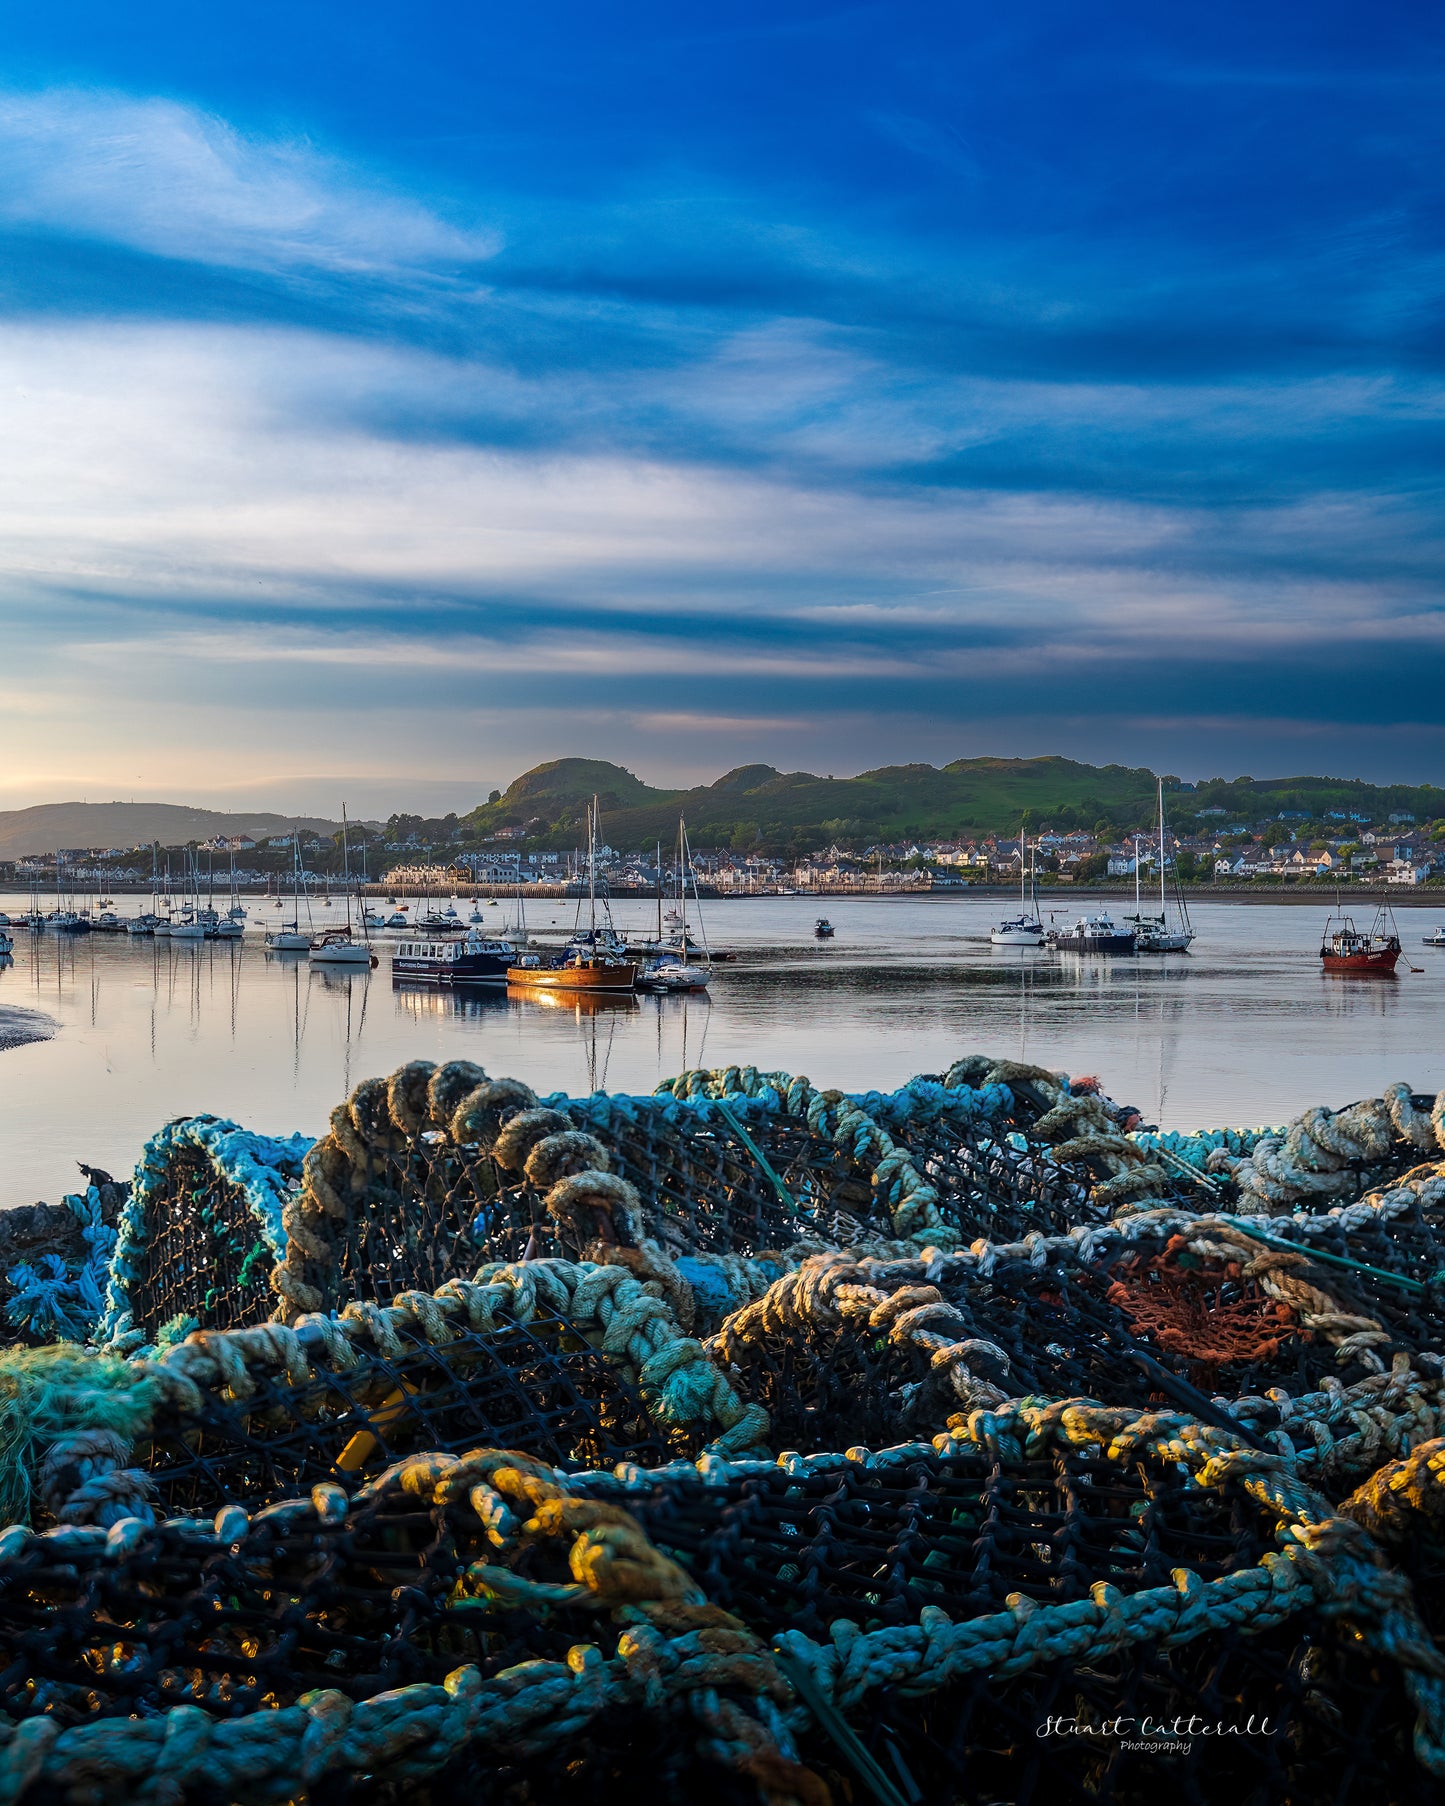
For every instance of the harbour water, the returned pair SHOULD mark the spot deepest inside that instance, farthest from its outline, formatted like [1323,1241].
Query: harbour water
[1243,1029]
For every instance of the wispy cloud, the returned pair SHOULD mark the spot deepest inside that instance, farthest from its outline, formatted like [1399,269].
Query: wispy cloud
[173,180]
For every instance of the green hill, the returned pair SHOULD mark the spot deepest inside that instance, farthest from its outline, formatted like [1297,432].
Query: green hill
[759,806]
[756,804]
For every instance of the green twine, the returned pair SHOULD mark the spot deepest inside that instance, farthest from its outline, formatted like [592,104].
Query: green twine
[1319,1254]
[247,1275]
[757,1153]
[860,1759]
[47,1393]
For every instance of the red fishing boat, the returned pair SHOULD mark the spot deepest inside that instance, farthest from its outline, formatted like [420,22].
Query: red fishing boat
[1345,949]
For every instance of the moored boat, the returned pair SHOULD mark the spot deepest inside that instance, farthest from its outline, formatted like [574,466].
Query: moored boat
[475,960]
[594,958]
[578,974]
[1344,948]
[1436,938]
[335,947]
[1093,934]
[1025,929]
[823,929]
[1160,934]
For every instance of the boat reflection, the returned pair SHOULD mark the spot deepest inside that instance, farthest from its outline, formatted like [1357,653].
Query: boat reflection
[575,1003]
[340,978]
[471,1002]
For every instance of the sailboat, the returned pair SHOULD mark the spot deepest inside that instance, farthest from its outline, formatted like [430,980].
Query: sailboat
[674,971]
[192,925]
[593,960]
[288,938]
[1025,929]
[1157,934]
[334,946]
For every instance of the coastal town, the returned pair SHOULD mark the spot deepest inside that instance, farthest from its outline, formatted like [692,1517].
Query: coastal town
[1212,851]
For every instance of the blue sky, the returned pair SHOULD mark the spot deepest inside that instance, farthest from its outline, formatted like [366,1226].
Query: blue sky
[400,396]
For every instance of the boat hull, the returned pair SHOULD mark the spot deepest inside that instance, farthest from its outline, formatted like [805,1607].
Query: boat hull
[342,953]
[574,978]
[1379,961]
[1094,943]
[473,969]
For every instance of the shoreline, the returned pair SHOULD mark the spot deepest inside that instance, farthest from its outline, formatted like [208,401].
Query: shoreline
[1057,896]
[20,1027]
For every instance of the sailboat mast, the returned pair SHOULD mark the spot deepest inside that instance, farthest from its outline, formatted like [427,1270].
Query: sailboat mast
[345,871]
[592,873]
[681,898]
[659,895]
[1161,848]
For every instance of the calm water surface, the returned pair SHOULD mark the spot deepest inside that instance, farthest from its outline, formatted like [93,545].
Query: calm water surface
[1245,1028]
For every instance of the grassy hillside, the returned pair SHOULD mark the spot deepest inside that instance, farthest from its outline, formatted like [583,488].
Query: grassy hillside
[48,826]
[758,806]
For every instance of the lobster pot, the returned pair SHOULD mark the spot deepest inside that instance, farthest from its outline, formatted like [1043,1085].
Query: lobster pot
[675,1663]
[874,1543]
[705,1191]
[535,1386]
[415,1225]
[205,1258]
[846,1350]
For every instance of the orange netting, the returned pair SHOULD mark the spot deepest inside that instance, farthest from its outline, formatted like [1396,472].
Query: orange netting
[1201,1309]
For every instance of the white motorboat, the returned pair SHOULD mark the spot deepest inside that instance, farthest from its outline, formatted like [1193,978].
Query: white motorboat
[188,931]
[372,919]
[1025,929]
[228,930]
[1436,938]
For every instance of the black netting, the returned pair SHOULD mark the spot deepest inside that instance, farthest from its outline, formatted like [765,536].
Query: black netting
[383,1599]
[1065,1331]
[204,1256]
[536,1387]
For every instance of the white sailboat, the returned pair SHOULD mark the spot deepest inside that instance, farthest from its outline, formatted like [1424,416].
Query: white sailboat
[677,971]
[1157,934]
[289,937]
[335,946]
[1025,929]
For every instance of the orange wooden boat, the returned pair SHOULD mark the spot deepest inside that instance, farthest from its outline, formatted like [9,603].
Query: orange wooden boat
[577,975]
